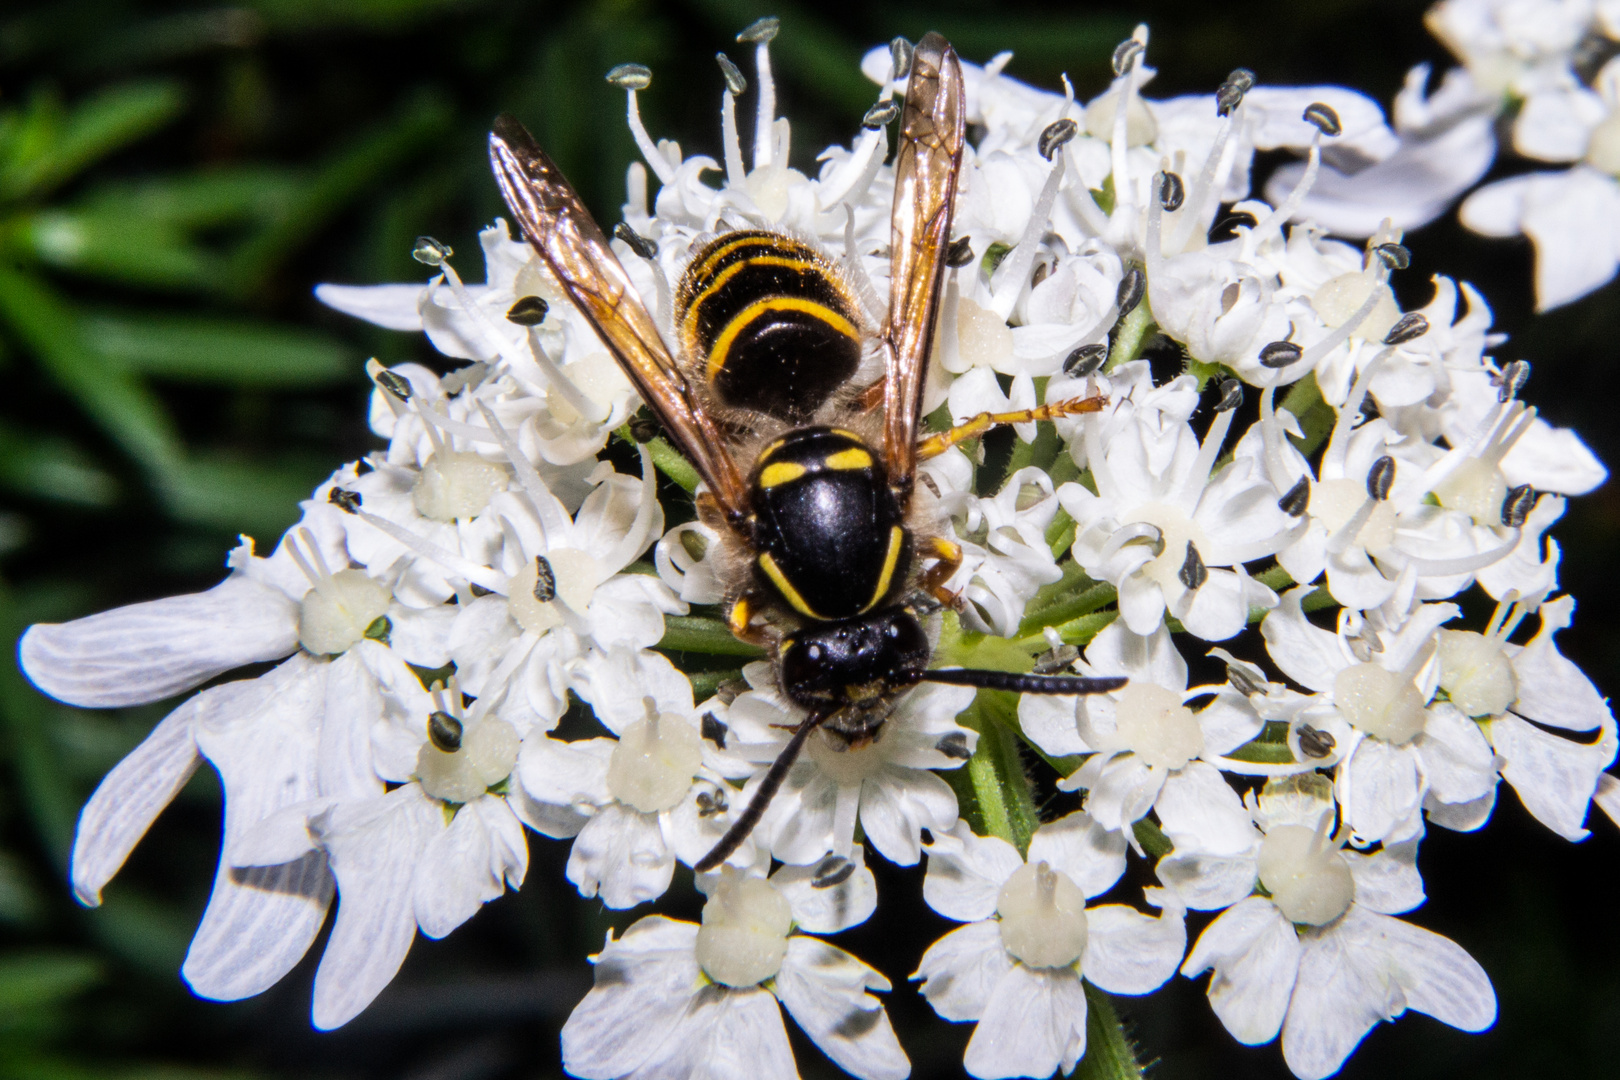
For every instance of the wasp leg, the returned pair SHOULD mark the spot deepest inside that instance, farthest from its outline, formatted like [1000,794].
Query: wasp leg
[740,621]
[948,558]
[935,445]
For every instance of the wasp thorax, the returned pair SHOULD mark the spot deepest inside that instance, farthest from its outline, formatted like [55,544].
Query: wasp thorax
[1338,299]
[1476,488]
[456,485]
[1043,917]
[1154,723]
[745,929]
[653,764]
[563,576]
[1335,502]
[1475,671]
[338,611]
[1379,702]
[1306,875]
[485,755]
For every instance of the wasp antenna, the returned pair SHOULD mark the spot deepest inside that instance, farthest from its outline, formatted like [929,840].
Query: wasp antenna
[1025,684]
[762,798]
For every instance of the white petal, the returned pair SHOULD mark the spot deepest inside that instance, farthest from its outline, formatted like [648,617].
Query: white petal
[1094,857]
[966,873]
[1124,790]
[644,985]
[1199,810]
[468,865]
[259,923]
[1035,1021]
[1461,817]
[147,652]
[374,847]
[897,804]
[1458,764]
[828,910]
[1388,881]
[726,1035]
[1254,952]
[1552,690]
[621,855]
[1555,777]
[824,990]
[1379,788]
[1047,720]
[129,799]
[393,307]
[961,969]
[1208,882]
[1608,796]
[566,773]
[1128,952]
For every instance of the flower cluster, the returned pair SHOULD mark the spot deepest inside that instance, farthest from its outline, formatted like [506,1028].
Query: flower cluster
[443,603]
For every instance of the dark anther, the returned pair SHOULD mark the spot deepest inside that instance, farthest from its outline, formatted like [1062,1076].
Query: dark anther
[643,428]
[1380,477]
[761,30]
[1513,380]
[1172,192]
[1125,52]
[545,582]
[1279,354]
[1227,227]
[1055,135]
[833,870]
[1231,395]
[1084,360]
[955,746]
[444,731]
[736,84]
[1242,681]
[638,243]
[395,384]
[478,590]
[1193,573]
[630,77]
[960,253]
[1393,256]
[710,803]
[1132,287]
[880,115]
[900,57]
[1231,92]
[1517,504]
[344,499]
[1408,327]
[528,311]
[429,251]
[1315,742]
[1323,118]
[381,629]
[1297,499]
[714,730]
[1055,660]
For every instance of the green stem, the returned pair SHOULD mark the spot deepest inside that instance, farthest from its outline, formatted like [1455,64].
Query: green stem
[1109,1054]
[694,633]
[668,460]
[1000,787]
[1133,331]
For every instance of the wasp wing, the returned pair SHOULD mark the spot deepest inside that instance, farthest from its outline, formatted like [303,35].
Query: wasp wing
[559,227]
[932,132]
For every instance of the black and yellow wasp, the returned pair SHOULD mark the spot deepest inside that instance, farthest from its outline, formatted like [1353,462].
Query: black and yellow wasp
[822,539]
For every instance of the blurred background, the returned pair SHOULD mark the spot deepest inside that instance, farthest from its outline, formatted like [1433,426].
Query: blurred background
[174,180]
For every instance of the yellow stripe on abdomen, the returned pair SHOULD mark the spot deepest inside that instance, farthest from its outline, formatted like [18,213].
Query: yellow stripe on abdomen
[728,336]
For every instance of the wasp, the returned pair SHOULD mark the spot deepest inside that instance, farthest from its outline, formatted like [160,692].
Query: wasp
[810,481]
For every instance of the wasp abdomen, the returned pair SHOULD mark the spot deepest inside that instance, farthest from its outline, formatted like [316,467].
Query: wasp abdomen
[828,529]
[776,329]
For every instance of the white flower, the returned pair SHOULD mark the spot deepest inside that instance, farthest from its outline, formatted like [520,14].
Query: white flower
[637,803]
[1160,527]
[677,1000]
[1145,743]
[1017,966]
[1317,955]
[887,784]
[1393,749]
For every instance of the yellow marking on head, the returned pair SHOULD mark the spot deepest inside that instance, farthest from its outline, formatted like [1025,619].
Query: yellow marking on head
[785,647]
[772,448]
[891,559]
[783,586]
[846,433]
[848,460]
[722,344]
[781,472]
[690,312]
[741,613]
